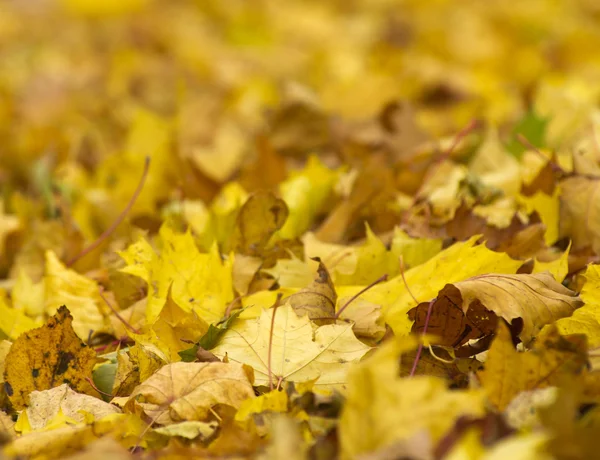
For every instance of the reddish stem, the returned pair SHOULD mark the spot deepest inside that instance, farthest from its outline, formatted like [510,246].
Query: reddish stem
[118,220]
[359,293]
[420,349]
[116,313]
[526,143]
[91,382]
[275,305]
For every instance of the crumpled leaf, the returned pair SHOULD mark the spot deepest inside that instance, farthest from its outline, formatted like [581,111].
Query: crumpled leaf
[300,352]
[47,357]
[186,391]
[259,218]
[469,309]
[509,372]
[45,405]
[317,300]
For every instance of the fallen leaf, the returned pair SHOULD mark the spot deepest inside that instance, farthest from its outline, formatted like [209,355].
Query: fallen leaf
[299,351]
[420,403]
[259,218]
[45,405]
[47,357]
[508,372]
[469,309]
[318,299]
[187,391]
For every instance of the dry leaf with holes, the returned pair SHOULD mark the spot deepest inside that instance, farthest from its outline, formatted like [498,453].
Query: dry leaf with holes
[47,357]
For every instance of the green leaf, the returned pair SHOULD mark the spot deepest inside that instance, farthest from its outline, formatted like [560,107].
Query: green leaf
[533,128]
[210,338]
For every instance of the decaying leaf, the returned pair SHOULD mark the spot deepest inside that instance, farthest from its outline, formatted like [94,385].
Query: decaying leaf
[47,357]
[318,299]
[259,218]
[470,309]
[45,405]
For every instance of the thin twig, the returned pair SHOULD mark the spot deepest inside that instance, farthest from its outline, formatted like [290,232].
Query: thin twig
[275,305]
[118,220]
[116,313]
[359,293]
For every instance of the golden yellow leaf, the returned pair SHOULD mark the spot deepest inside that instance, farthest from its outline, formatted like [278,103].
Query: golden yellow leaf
[299,352]
[548,208]
[15,322]
[419,403]
[172,331]
[80,294]
[28,296]
[508,372]
[580,212]
[187,391]
[456,263]
[47,357]
[305,194]
[559,268]
[199,282]
[585,320]
[414,251]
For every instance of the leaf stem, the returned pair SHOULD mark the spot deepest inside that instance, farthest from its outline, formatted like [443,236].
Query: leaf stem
[420,349]
[116,313]
[85,251]
[275,305]
[381,279]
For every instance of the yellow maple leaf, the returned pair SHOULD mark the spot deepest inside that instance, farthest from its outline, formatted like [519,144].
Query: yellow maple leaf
[586,320]
[400,407]
[80,294]
[508,372]
[187,391]
[456,263]
[305,194]
[299,352]
[199,282]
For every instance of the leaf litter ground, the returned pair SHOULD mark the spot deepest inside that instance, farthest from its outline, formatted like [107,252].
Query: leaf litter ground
[299,230]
